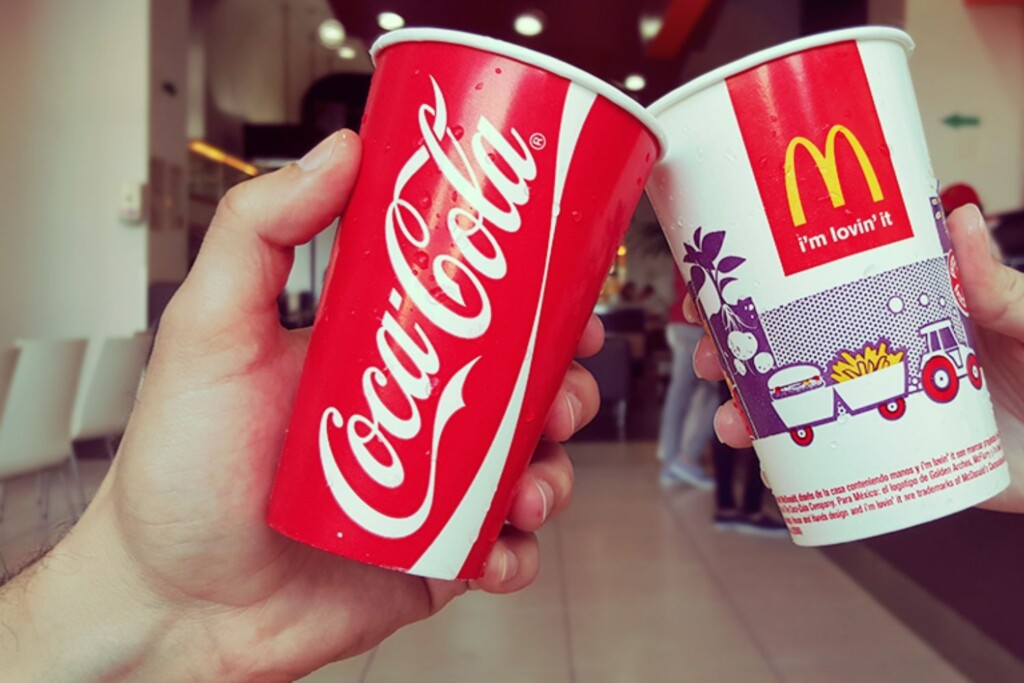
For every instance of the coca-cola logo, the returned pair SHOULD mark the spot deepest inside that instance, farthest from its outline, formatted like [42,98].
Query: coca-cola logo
[458,306]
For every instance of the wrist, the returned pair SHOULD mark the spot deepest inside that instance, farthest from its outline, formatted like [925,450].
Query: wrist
[85,613]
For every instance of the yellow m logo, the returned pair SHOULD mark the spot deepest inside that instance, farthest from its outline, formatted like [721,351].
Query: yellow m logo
[826,164]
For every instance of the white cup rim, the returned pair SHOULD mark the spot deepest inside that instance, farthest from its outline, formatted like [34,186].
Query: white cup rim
[533,58]
[770,54]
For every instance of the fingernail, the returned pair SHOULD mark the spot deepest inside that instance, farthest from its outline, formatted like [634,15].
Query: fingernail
[316,157]
[719,417]
[690,311]
[575,408]
[548,495]
[977,218]
[509,566]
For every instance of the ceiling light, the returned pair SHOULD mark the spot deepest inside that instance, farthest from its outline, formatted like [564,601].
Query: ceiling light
[389,21]
[347,52]
[635,82]
[529,23]
[650,26]
[220,156]
[331,33]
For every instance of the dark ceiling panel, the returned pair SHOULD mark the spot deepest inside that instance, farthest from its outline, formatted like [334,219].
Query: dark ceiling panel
[600,37]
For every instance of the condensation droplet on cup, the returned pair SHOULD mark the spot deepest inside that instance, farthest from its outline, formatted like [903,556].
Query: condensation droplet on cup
[416,72]
[479,86]
[843,418]
[833,445]
[647,158]
[434,381]
[421,259]
[497,70]
[455,197]
[639,181]
[425,201]
[557,210]
[577,216]
[458,132]
[762,162]
[774,118]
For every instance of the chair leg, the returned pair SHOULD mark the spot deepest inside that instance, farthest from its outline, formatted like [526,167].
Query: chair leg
[77,480]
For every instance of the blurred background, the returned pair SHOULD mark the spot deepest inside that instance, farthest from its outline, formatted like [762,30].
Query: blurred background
[125,121]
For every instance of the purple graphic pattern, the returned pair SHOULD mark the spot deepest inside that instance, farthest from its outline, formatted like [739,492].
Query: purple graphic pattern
[862,312]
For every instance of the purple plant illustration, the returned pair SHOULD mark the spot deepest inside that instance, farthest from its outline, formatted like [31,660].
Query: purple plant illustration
[708,265]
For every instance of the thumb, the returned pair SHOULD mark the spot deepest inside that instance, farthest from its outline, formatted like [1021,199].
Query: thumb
[247,254]
[995,292]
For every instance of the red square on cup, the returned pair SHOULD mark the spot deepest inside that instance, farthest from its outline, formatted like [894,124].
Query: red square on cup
[824,171]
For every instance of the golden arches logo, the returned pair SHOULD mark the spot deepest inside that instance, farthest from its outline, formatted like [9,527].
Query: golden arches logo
[826,164]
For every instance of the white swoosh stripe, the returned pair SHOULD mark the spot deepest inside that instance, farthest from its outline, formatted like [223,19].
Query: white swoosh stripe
[446,555]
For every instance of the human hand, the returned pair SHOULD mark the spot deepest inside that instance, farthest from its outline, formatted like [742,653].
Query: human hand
[995,295]
[177,527]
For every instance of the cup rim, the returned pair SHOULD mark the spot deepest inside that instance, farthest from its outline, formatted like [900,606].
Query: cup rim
[532,58]
[756,59]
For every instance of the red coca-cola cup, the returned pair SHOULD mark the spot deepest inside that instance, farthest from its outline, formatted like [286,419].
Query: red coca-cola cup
[495,187]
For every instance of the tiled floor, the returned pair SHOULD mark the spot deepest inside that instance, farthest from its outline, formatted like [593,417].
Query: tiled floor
[636,587]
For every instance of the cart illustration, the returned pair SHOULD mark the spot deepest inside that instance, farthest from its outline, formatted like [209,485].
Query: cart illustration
[803,400]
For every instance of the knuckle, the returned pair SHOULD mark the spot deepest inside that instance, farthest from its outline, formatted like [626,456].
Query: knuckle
[235,204]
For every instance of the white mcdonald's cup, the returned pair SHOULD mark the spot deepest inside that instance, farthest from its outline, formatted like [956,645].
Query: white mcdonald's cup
[800,204]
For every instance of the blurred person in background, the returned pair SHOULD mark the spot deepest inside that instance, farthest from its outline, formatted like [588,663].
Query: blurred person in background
[685,411]
[730,464]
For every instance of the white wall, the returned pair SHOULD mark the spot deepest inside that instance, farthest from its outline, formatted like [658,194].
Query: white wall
[970,61]
[73,128]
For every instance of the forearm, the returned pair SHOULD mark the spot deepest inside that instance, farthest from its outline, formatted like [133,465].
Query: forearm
[79,614]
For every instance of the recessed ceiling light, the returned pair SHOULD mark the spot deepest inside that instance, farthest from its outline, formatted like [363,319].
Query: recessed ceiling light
[331,33]
[529,23]
[389,21]
[650,26]
[635,82]
[347,52]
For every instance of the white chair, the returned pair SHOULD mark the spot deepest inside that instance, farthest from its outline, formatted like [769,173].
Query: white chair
[35,426]
[110,381]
